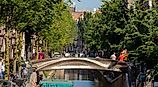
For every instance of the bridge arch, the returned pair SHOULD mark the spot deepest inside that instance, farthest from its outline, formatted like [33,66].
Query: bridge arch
[73,63]
[79,63]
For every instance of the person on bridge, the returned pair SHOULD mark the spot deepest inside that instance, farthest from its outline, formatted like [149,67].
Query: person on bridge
[113,56]
[125,52]
[41,55]
[121,57]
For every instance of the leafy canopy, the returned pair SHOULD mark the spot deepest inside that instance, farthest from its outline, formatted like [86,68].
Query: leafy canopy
[48,19]
[117,27]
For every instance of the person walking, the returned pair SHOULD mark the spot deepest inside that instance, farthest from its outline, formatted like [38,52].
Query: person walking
[141,79]
[1,69]
[25,72]
[33,78]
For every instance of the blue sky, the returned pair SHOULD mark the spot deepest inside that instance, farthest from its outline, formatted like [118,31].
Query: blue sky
[87,4]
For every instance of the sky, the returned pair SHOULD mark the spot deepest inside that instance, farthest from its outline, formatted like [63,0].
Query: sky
[87,4]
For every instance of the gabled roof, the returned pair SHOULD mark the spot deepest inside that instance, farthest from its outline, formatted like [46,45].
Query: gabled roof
[77,15]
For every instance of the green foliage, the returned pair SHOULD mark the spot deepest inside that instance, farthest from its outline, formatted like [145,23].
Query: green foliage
[62,30]
[25,14]
[48,19]
[118,27]
[92,35]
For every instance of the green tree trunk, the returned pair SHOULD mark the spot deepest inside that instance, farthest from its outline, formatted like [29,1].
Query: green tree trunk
[19,52]
[15,52]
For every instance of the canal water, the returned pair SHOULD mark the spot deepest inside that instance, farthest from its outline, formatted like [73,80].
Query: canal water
[72,83]
[84,83]
[75,78]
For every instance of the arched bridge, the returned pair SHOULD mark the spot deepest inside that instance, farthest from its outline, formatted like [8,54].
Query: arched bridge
[79,63]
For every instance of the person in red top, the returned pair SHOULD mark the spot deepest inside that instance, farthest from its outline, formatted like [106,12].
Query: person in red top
[41,55]
[121,57]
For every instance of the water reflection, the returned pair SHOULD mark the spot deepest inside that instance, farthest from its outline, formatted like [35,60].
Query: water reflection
[84,83]
[88,78]
[81,78]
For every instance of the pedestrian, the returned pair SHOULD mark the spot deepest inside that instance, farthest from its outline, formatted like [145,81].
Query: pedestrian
[113,56]
[1,69]
[141,79]
[25,72]
[41,55]
[125,52]
[38,78]
[33,78]
[121,57]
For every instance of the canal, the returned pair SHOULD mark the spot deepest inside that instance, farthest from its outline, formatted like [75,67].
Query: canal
[76,78]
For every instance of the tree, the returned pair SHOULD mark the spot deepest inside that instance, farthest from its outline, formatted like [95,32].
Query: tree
[117,27]
[90,23]
[102,28]
[27,16]
[32,17]
[47,19]
[62,29]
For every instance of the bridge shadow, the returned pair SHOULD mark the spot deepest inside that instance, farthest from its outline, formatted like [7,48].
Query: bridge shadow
[112,79]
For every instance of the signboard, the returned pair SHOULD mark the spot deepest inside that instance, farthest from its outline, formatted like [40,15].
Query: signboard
[56,83]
